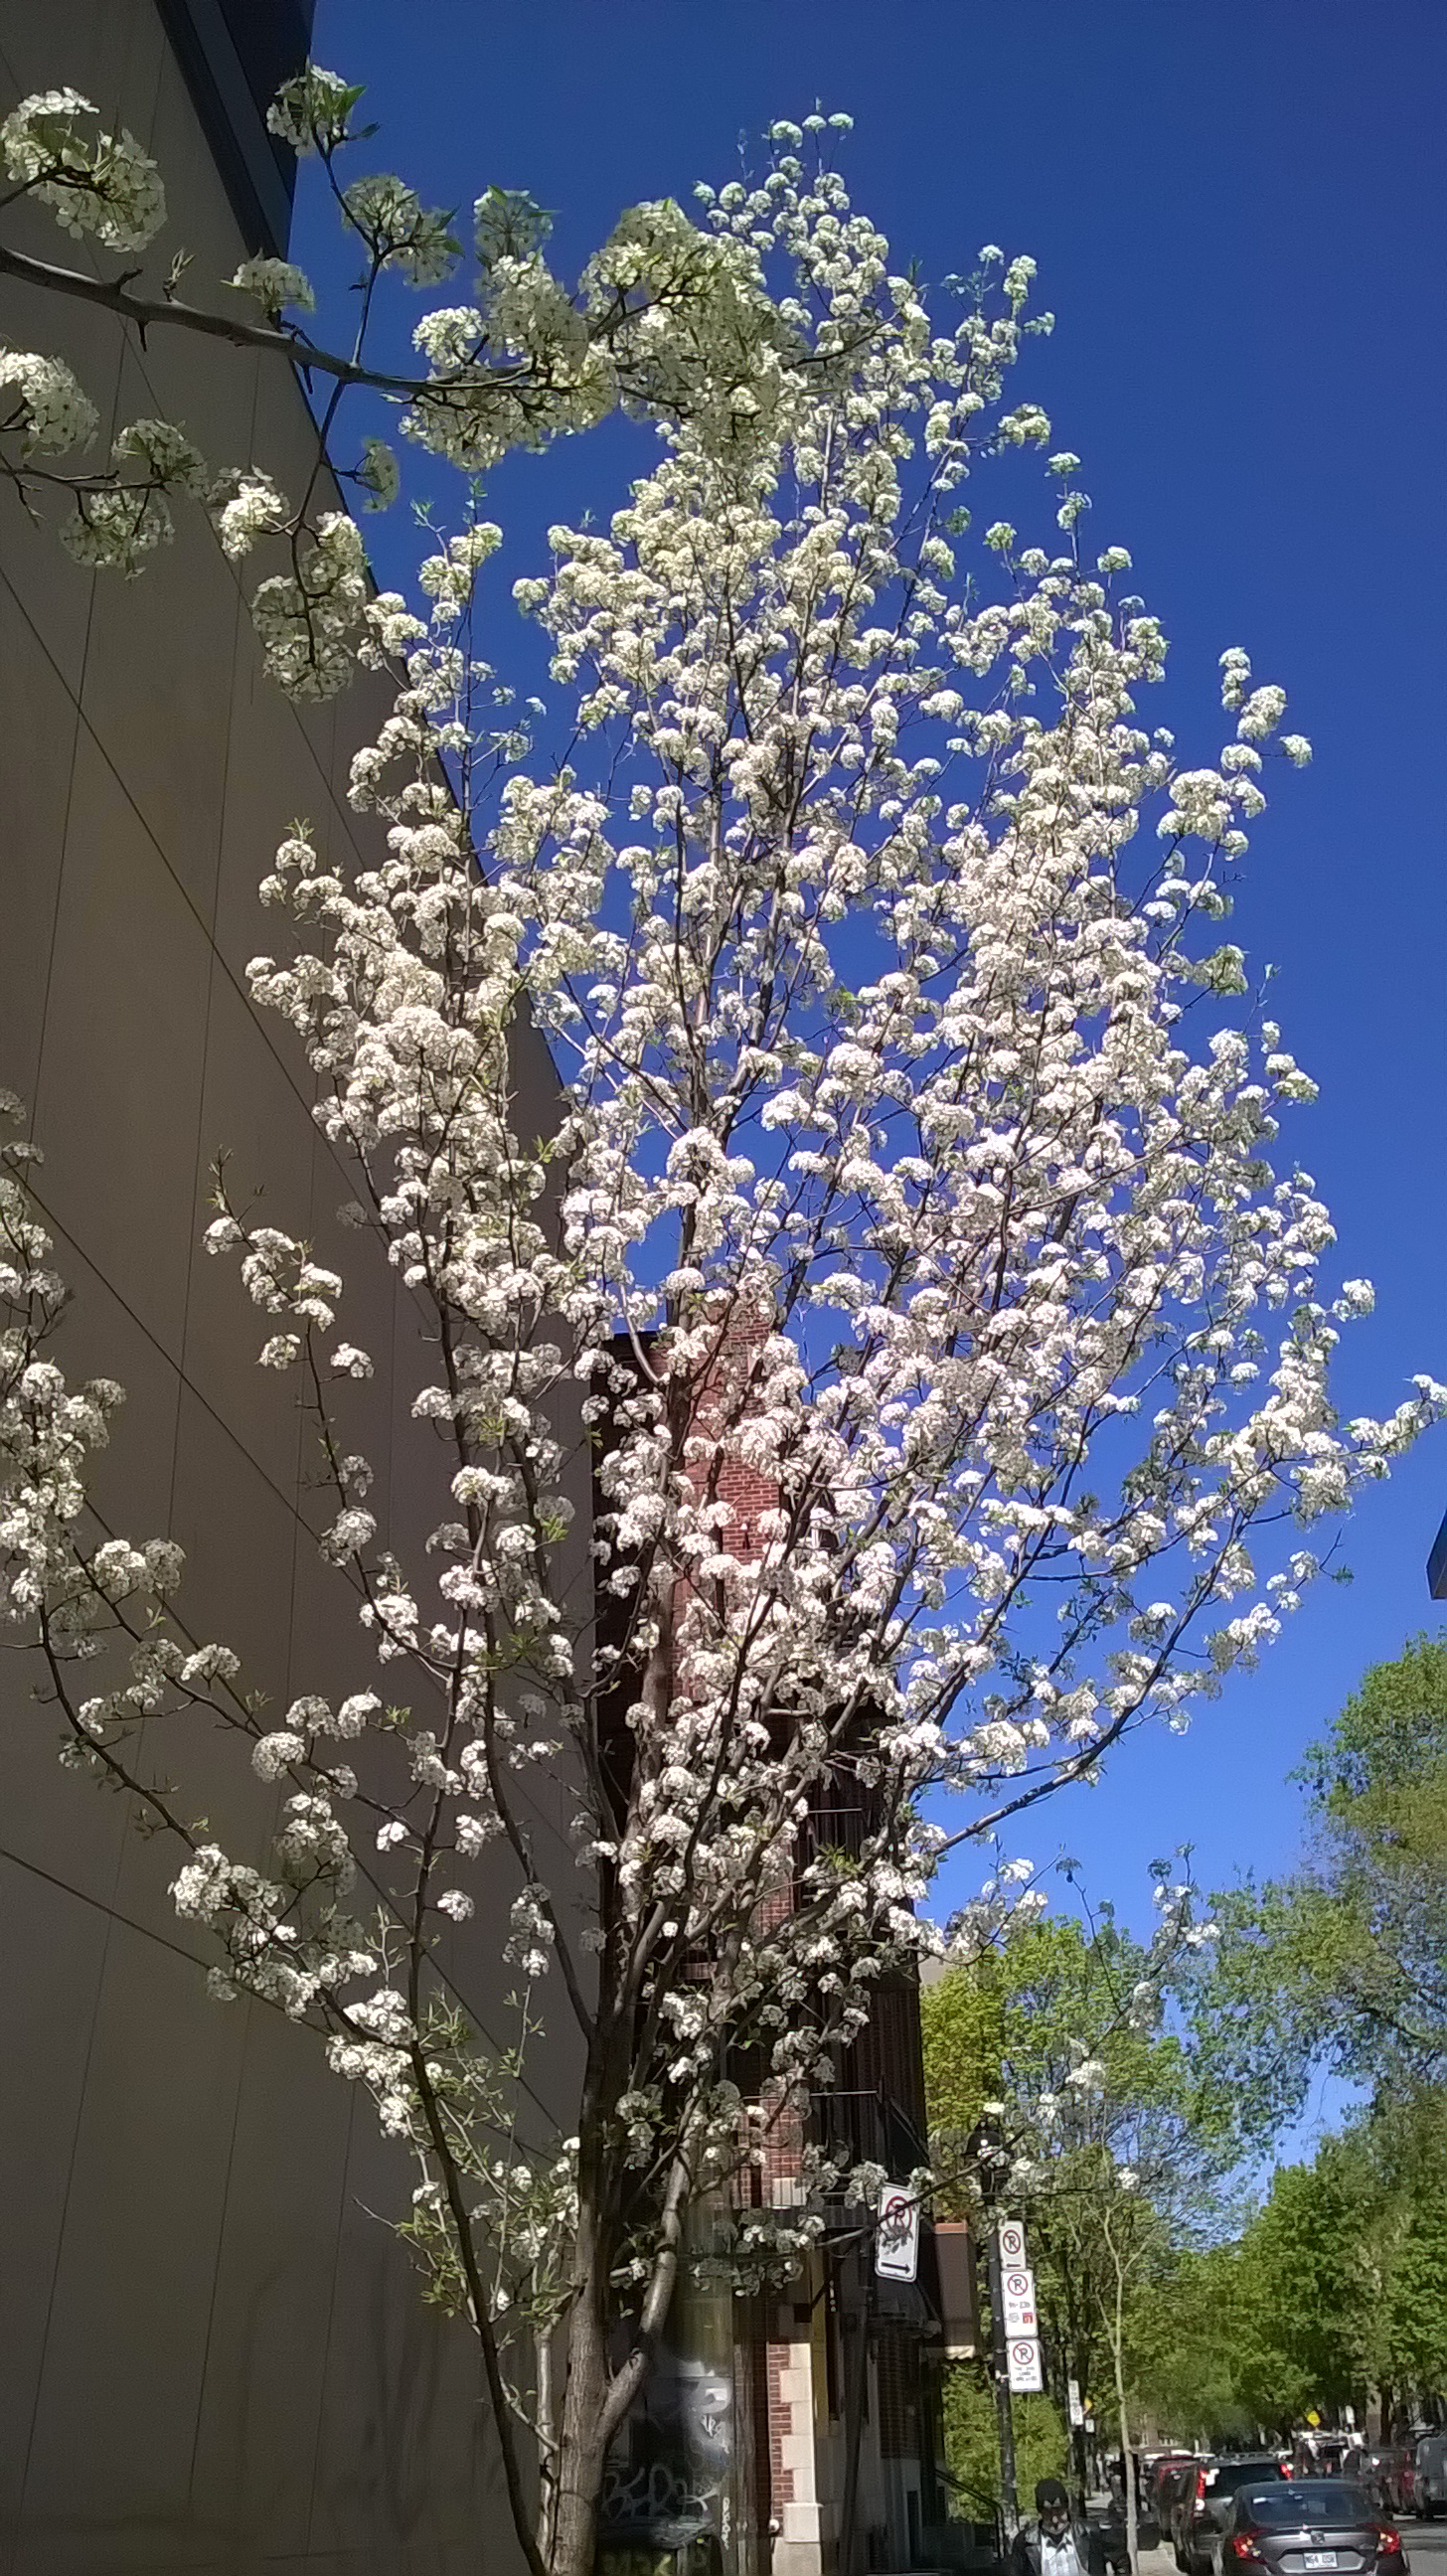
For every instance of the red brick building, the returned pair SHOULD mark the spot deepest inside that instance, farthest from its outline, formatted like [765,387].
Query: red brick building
[821,2452]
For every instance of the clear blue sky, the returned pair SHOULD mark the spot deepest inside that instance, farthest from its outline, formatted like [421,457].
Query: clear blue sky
[1237,211]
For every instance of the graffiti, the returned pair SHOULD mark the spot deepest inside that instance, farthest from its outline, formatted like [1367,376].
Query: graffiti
[653,2500]
[668,2507]
[655,2492]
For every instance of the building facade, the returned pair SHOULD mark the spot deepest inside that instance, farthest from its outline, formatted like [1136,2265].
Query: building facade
[213,2354]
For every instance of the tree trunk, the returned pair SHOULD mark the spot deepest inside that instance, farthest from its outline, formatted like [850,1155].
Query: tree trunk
[582,2448]
[582,2455]
[547,2443]
[1127,2456]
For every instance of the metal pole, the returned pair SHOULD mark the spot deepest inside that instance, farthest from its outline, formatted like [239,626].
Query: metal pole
[856,2365]
[1081,2459]
[1004,2418]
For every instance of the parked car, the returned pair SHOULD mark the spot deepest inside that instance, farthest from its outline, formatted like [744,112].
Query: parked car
[1320,2454]
[1429,2482]
[1307,2527]
[1170,2488]
[1386,2471]
[1163,2466]
[1200,2505]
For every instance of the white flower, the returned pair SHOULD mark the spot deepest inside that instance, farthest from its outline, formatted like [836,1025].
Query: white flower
[94,182]
[350,1532]
[275,283]
[209,1664]
[255,509]
[273,1754]
[356,1714]
[312,110]
[202,1888]
[41,399]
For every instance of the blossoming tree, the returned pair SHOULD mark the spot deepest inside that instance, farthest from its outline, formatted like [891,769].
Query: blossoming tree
[915,1163]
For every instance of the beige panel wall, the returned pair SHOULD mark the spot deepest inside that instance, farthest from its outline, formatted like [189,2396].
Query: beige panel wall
[212,2356]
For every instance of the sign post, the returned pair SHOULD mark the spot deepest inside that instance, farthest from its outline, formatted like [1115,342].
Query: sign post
[1017,2319]
[1007,2258]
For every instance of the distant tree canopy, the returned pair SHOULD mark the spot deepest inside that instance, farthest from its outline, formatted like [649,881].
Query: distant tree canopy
[1334,2290]
[1343,1964]
[1114,2138]
[1334,2293]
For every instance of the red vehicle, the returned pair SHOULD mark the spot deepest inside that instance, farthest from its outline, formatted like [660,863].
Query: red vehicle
[1161,2467]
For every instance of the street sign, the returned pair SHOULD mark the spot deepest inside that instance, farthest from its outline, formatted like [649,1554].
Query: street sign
[1077,2410]
[896,2240]
[1011,2240]
[1022,2359]
[1017,2298]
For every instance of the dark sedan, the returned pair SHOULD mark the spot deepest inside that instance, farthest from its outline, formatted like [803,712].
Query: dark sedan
[1308,2527]
[1202,2502]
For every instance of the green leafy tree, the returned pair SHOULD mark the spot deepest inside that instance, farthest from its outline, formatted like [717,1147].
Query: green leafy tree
[972,2449]
[1344,1963]
[1398,2156]
[1114,2146]
[1335,2291]
[1303,2296]
[1184,2339]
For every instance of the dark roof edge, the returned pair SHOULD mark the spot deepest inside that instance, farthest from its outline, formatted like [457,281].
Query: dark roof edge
[257,172]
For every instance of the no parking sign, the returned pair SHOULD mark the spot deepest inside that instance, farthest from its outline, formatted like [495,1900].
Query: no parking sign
[896,2240]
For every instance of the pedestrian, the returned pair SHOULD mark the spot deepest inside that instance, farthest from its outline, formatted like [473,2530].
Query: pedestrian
[1058,2542]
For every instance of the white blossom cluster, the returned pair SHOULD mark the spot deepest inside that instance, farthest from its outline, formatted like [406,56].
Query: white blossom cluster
[119,524]
[56,149]
[41,399]
[275,284]
[666,318]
